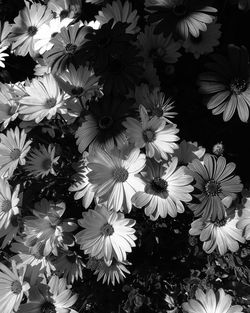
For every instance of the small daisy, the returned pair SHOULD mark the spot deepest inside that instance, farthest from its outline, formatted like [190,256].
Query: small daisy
[106,234]
[167,186]
[206,41]
[13,150]
[114,176]
[210,301]
[214,181]
[158,138]
[227,84]
[40,161]
[26,25]
[119,13]
[44,99]
[222,234]
[12,287]
[244,222]
[188,151]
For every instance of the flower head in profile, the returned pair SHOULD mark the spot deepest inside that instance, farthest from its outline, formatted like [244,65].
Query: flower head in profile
[114,175]
[211,302]
[40,161]
[188,151]
[13,150]
[26,25]
[222,234]
[213,181]
[227,83]
[13,287]
[166,187]
[158,138]
[107,234]
[8,105]
[44,99]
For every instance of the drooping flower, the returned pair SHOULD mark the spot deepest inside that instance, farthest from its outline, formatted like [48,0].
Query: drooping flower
[214,181]
[166,187]
[210,301]
[13,150]
[44,99]
[227,83]
[107,234]
[158,138]
[114,176]
[40,161]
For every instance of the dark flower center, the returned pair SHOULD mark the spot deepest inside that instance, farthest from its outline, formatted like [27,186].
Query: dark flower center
[15,154]
[48,307]
[46,164]
[15,220]
[50,103]
[159,185]
[115,64]
[77,91]
[70,48]
[156,53]
[148,135]
[64,14]
[120,174]
[104,41]
[5,205]
[180,10]
[16,287]
[157,112]
[212,187]
[71,258]
[238,85]
[105,122]
[107,229]
[196,40]
[32,30]
[220,223]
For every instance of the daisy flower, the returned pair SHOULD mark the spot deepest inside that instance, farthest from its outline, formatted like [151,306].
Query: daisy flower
[188,151]
[244,222]
[166,187]
[227,84]
[40,161]
[153,134]
[106,234]
[66,45]
[114,176]
[46,230]
[103,125]
[44,99]
[13,150]
[55,296]
[206,41]
[182,18]
[8,106]
[12,287]
[214,181]
[119,13]
[65,8]
[222,234]
[26,25]
[211,302]
[156,47]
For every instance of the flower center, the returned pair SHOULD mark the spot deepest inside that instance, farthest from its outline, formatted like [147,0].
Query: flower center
[77,91]
[105,122]
[148,135]
[238,85]
[157,112]
[64,14]
[104,41]
[212,187]
[92,264]
[159,185]
[6,205]
[16,287]
[220,223]
[120,174]
[50,103]
[48,307]
[15,220]
[46,164]
[71,258]
[180,10]
[70,48]
[115,64]
[32,30]
[196,40]
[107,229]
[15,154]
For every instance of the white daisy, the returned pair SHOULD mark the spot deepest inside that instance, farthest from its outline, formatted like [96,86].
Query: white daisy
[106,234]
[153,134]
[114,176]
[40,161]
[44,99]
[13,150]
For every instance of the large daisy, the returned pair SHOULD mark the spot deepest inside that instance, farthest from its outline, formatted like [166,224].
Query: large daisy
[213,181]
[44,99]
[158,138]
[167,186]
[107,234]
[227,84]
[114,176]
[13,150]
